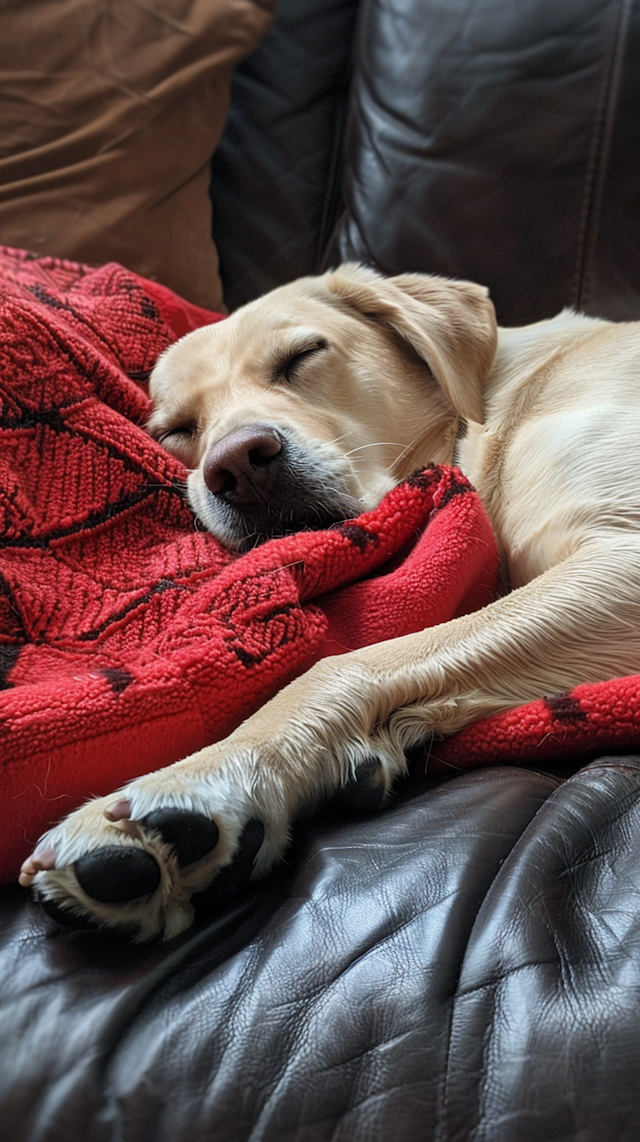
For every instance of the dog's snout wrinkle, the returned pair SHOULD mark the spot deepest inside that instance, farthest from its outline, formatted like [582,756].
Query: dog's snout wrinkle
[239,460]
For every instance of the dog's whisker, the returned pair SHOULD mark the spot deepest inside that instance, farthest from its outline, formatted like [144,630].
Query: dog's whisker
[374,444]
[337,439]
[408,448]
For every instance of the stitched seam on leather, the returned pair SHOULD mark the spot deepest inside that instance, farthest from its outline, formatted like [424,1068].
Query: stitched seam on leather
[598,158]
[332,199]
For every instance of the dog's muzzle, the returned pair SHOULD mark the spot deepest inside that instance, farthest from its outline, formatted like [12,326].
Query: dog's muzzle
[259,484]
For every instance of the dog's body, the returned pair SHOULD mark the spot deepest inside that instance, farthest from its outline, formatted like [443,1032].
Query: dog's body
[306,407]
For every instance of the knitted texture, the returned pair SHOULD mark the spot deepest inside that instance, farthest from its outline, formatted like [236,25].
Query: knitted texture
[128,638]
[591,719]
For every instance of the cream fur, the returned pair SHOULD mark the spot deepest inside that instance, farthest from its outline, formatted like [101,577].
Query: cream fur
[552,416]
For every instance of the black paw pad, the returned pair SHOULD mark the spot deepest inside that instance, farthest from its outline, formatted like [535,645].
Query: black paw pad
[365,793]
[116,875]
[234,877]
[191,835]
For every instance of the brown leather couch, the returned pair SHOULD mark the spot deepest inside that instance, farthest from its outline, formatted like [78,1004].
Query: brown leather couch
[466,964]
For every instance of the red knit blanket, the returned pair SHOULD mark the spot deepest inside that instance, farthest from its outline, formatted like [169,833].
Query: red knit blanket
[128,638]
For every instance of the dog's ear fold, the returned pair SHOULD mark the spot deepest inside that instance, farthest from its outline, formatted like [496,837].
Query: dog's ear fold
[450,324]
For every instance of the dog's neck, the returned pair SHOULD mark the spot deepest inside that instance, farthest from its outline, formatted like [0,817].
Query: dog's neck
[523,366]
[523,352]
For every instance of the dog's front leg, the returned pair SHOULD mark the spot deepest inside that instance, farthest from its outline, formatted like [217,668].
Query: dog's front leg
[578,622]
[229,807]
[134,860]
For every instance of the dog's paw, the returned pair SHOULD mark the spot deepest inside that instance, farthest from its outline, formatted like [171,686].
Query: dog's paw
[134,861]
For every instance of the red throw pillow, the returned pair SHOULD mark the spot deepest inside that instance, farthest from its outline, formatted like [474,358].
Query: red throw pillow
[110,115]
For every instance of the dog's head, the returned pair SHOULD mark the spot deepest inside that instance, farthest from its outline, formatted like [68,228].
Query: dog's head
[305,407]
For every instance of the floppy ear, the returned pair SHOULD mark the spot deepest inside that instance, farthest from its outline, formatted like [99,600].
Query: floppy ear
[450,324]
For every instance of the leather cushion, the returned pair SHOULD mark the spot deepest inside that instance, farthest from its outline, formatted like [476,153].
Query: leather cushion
[462,965]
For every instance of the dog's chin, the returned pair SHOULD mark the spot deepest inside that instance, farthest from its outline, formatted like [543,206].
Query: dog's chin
[242,530]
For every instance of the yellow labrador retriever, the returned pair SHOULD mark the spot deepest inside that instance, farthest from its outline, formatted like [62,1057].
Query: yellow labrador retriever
[302,409]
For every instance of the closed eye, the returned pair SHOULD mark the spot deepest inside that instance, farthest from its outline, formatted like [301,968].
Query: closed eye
[288,368]
[176,435]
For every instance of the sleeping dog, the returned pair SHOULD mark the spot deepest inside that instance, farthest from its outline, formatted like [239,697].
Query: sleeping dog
[302,409]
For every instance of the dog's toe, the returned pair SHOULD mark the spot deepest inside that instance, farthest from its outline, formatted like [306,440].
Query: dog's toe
[237,874]
[117,875]
[192,836]
[364,793]
[39,861]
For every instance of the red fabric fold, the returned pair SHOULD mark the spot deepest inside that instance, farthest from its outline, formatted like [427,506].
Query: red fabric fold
[578,725]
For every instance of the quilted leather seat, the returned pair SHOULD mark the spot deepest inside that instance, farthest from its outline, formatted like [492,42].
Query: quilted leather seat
[465,965]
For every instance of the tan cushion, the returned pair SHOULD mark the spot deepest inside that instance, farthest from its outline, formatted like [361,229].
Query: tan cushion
[109,115]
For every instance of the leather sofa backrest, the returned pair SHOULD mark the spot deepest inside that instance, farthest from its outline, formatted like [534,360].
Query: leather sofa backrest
[276,175]
[492,141]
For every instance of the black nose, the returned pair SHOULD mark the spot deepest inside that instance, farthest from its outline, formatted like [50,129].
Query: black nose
[243,464]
